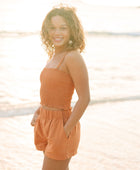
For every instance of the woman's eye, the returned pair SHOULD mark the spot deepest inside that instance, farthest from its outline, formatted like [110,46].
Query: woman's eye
[63,28]
[52,28]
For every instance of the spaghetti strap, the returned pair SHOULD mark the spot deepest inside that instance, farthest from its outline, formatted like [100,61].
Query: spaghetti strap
[61,61]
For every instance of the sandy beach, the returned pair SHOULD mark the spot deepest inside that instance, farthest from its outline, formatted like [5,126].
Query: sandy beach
[110,140]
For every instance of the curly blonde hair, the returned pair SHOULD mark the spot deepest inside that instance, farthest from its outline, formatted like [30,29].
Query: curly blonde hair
[76,30]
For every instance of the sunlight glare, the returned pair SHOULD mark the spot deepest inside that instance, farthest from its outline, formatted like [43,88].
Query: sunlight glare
[113,2]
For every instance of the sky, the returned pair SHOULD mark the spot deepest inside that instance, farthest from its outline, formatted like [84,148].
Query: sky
[27,15]
[93,2]
[113,2]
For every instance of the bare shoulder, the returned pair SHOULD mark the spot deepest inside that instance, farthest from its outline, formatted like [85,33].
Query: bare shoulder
[76,66]
[74,58]
[78,72]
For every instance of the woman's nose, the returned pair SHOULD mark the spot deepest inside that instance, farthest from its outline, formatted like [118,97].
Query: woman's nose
[57,31]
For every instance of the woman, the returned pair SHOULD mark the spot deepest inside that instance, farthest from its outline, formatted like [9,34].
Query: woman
[57,127]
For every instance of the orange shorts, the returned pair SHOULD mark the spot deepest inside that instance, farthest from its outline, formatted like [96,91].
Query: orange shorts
[50,137]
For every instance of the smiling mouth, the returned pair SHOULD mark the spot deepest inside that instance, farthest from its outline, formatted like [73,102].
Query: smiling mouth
[58,39]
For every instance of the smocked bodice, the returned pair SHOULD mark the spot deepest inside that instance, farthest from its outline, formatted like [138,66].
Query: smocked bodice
[56,88]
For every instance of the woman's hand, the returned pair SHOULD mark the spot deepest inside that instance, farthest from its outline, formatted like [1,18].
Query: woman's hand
[66,132]
[35,116]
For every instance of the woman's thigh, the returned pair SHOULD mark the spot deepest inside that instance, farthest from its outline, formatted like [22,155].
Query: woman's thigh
[51,164]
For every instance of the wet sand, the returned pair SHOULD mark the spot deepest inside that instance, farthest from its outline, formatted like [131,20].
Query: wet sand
[110,140]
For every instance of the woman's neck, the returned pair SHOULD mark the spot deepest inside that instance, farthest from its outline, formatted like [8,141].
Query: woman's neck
[59,51]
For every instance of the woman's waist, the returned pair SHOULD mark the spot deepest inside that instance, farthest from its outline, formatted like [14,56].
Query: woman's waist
[55,106]
[49,113]
[64,104]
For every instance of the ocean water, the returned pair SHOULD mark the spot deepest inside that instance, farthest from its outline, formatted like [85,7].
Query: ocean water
[111,55]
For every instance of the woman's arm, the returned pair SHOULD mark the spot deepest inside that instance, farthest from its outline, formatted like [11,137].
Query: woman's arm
[78,71]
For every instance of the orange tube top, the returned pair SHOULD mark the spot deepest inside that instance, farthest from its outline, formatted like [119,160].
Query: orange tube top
[56,89]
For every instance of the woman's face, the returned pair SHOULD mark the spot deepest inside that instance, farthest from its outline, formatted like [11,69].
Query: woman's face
[59,32]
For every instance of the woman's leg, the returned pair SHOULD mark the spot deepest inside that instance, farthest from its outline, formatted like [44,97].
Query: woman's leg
[51,164]
[67,168]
